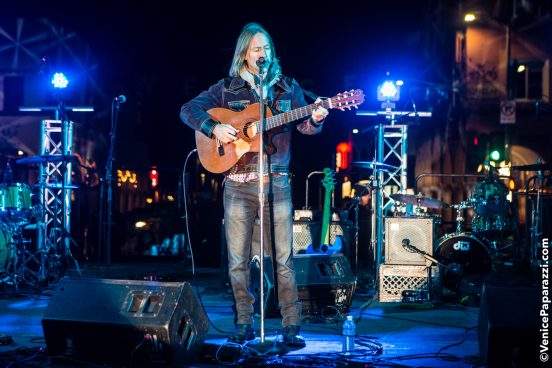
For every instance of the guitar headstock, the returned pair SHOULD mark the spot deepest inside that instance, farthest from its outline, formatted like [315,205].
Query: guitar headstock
[348,99]
[329,179]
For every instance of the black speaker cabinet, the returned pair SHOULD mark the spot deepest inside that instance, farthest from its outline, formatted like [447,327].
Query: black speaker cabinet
[322,281]
[109,319]
[418,231]
[509,325]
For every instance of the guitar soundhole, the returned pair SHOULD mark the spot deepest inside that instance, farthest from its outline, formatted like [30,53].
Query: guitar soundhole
[248,132]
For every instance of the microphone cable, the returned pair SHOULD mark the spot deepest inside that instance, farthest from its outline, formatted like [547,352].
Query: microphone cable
[189,241]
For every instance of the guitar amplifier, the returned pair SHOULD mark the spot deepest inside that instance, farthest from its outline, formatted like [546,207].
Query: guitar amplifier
[418,231]
[307,232]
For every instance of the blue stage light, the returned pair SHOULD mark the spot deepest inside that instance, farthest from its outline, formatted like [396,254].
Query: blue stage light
[389,89]
[59,80]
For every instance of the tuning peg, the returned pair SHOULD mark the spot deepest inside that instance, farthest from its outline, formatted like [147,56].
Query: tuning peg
[342,109]
[356,107]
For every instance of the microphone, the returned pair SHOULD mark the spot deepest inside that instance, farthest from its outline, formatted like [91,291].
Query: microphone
[261,62]
[406,245]
[120,99]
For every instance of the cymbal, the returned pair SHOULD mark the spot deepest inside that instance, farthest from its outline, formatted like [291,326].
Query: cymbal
[56,186]
[41,159]
[418,200]
[374,164]
[533,167]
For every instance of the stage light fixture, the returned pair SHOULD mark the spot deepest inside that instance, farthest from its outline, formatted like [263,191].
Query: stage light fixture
[59,80]
[389,91]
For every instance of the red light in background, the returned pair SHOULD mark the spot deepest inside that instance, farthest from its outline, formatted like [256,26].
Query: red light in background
[154,177]
[343,149]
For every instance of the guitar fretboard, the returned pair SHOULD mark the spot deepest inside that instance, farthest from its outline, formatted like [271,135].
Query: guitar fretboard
[289,116]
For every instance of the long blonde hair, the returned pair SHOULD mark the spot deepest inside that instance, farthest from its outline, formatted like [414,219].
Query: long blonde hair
[238,61]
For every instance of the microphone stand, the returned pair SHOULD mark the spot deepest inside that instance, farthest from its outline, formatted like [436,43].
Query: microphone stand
[115,107]
[262,122]
[262,345]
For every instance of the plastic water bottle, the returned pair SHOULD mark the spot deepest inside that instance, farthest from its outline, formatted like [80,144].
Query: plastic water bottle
[349,335]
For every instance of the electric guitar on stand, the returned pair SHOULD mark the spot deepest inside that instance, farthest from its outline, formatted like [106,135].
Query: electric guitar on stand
[325,247]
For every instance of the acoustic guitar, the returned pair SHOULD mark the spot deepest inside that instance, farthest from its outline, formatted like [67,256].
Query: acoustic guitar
[218,157]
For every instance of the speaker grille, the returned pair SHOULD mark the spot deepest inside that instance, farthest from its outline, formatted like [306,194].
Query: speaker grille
[418,231]
[309,232]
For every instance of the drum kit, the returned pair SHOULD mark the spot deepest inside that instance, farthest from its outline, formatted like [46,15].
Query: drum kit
[23,260]
[16,213]
[462,252]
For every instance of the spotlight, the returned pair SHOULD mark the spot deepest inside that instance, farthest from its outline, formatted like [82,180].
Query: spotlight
[59,81]
[389,91]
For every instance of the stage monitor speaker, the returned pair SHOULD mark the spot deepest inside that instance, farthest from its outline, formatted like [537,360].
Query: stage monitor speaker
[418,231]
[110,320]
[307,232]
[509,325]
[323,281]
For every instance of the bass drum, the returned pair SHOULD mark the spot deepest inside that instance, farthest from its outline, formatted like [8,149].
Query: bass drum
[463,254]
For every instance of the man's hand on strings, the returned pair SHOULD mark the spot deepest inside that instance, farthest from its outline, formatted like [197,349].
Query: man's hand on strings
[225,133]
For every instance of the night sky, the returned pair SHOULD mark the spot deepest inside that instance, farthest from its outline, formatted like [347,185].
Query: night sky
[161,54]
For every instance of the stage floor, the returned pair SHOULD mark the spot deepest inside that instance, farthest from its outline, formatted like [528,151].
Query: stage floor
[388,334]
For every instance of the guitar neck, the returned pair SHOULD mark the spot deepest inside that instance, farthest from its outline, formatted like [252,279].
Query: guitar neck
[325,236]
[293,115]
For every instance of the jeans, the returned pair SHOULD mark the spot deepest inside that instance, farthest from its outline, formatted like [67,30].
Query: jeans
[241,205]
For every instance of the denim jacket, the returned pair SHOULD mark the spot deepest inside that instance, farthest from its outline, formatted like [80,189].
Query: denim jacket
[235,94]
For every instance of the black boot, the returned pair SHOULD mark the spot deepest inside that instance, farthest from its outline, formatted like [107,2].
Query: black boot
[292,338]
[242,333]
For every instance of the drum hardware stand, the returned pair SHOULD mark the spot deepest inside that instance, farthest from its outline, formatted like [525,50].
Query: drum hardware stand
[355,205]
[460,215]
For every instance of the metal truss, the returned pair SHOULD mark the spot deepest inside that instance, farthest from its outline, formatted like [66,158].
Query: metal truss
[56,148]
[391,149]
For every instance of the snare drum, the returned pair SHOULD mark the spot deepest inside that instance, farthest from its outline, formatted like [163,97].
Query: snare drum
[15,199]
[463,254]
